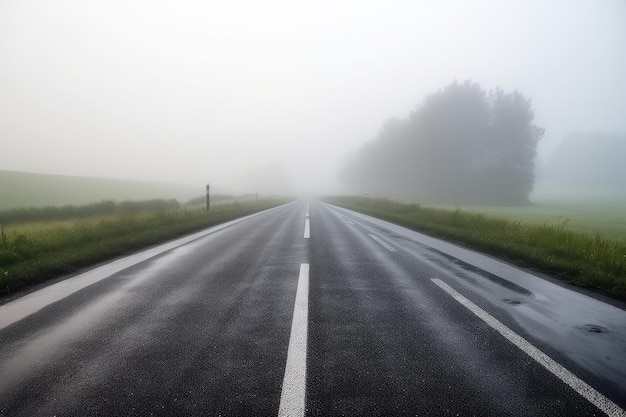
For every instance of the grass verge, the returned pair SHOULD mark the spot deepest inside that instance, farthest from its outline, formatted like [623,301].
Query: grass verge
[38,250]
[587,260]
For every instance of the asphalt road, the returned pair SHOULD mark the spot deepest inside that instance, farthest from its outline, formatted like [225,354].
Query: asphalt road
[308,309]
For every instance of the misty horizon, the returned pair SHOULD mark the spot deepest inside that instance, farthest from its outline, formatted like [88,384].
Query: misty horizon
[279,96]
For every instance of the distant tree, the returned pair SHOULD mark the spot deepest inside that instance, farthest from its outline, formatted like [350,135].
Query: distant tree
[460,145]
[509,168]
[451,127]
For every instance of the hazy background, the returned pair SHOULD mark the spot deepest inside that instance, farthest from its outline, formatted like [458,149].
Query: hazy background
[274,96]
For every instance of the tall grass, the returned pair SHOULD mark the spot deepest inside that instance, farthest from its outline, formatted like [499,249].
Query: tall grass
[72,212]
[589,260]
[37,245]
[591,217]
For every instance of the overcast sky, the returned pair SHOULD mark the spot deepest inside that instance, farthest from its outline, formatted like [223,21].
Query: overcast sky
[245,93]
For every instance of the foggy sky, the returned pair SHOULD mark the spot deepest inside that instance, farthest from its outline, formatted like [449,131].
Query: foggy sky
[273,96]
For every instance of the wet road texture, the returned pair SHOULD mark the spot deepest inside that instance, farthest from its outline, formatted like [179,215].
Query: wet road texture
[309,309]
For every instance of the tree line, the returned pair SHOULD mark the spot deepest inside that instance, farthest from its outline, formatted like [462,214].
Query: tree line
[461,145]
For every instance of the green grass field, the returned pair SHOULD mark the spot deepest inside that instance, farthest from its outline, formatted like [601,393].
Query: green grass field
[593,210]
[606,220]
[20,189]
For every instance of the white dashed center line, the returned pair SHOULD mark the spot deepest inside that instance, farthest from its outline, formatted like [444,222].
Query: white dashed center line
[292,398]
[307,229]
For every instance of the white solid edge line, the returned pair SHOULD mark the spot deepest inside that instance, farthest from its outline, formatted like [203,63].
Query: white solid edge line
[382,243]
[578,385]
[23,307]
[292,397]
[307,229]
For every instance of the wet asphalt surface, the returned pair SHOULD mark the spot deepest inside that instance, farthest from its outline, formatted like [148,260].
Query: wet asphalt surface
[203,330]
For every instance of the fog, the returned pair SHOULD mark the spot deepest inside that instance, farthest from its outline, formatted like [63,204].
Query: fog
[275,96]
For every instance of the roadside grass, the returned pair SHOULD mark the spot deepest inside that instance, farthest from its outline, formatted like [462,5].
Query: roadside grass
[605,219]
[45,247]
[73,212]
[585,259]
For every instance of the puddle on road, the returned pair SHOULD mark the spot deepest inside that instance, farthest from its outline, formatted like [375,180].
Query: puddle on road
[594,328]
